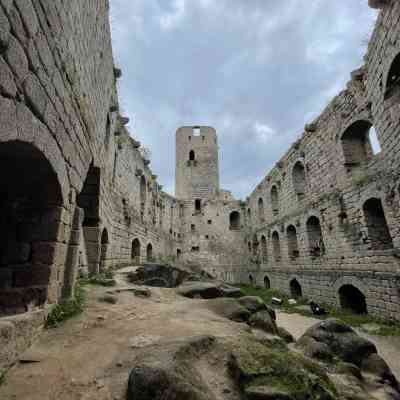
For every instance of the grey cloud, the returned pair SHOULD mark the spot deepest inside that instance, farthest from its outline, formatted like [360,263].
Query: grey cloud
[232,64]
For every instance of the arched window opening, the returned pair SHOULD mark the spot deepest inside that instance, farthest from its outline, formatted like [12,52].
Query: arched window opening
[293,246]
[30,208]
[264,250]
[197,206]
[136,251]
[315,240]
[149,253]
[352,299]
[295,289]
[275,200]
[249,246]
[251,280]
[104,249]
[378,231]
[357,149]
[392,90]
[249,215]
[299,180]
[178,253]
[234,221]
[276,246]
[192,155]
[261,214]
[267,283]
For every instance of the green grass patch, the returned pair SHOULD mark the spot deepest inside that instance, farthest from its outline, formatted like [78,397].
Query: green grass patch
[282,370]
[61,312]
[386,328]
[268,294]
[2,377]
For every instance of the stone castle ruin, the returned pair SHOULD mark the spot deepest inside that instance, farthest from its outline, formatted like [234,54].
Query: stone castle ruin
[77,194]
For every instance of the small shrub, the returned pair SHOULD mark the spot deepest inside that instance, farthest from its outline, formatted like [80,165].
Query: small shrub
[62,312]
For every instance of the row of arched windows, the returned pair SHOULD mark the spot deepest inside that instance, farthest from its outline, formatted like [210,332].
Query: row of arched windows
[359,144]
[136,251]
[377,235]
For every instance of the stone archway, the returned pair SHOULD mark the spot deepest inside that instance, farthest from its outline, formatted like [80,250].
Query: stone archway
[267,282]
[31,202]
[295,289]
[135,254]
[149,253]
[351,298]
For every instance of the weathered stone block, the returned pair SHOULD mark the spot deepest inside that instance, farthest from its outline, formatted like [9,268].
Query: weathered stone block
[16,58]
[8,120]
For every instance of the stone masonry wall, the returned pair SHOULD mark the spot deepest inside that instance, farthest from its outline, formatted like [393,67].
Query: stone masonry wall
[332,203]
[70,193]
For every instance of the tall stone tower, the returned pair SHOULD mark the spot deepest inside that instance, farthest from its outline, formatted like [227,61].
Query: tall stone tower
[197,170]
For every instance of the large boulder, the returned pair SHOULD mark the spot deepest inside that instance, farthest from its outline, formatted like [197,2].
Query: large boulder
[166,372]
[161,383]
[376,365]
[162,275]
[255,303]
[231,291]
[228,308]
[263,320]
[204,290]
[339,340]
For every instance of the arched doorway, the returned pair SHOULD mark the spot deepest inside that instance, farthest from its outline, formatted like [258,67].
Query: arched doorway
[89,200]
[267,283]
[135,255]
[30,210]
[378,230]
[295,289]
[149,253]
[351,298]
[234,221]
[251,280]
[104,249]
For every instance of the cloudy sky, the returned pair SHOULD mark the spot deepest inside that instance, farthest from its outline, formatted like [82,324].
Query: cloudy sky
[256,70]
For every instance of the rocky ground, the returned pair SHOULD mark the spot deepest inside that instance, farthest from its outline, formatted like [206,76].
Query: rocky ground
[129,345]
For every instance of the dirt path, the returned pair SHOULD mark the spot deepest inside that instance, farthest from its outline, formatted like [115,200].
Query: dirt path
[388,346]
[90,357]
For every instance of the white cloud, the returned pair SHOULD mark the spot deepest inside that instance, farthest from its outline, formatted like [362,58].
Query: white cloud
[264,132]
[171,20]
